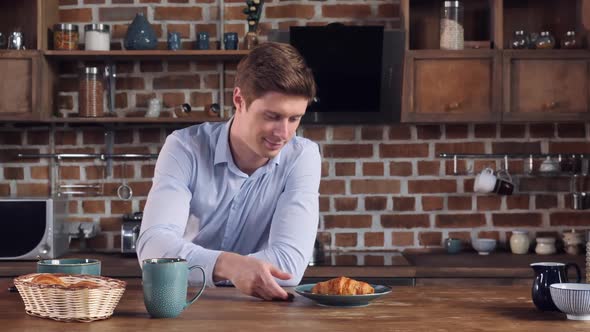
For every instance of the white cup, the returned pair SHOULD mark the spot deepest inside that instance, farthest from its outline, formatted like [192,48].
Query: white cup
[485,181]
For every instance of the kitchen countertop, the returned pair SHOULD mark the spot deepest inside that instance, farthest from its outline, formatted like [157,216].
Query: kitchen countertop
[363,264]
[422,308]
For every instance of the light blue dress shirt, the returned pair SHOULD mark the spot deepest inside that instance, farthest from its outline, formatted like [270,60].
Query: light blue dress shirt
[201,203]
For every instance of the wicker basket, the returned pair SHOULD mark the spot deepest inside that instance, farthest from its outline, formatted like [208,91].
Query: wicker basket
[70,304]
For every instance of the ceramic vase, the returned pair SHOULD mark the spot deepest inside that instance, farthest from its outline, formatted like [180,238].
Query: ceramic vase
[140,34]
[519,242]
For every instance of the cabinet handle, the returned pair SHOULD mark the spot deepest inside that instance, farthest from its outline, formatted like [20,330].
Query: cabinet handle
[551,105]
[453,106]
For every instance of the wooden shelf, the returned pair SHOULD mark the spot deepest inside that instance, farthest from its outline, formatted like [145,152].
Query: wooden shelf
[138,120]
[555,53]
[145,55]
[113,120]
[444,54]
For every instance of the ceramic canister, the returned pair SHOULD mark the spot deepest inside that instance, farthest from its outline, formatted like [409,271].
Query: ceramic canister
[519,242]
[545,246]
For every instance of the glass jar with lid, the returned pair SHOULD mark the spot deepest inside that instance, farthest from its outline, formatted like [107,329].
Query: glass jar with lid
[452,34]
[97,37]
[520,40]
[65,37]
[545,41]
[91,93]
[570,41]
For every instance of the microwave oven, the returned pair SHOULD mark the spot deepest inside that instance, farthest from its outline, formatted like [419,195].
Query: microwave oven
[33,228]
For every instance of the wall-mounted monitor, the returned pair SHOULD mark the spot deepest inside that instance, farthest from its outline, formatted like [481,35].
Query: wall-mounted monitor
[358,71]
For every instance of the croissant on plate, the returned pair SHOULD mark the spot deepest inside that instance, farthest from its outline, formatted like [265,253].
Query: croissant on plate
[342,286]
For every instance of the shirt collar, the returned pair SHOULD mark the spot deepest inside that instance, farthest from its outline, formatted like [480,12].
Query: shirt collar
[223,151]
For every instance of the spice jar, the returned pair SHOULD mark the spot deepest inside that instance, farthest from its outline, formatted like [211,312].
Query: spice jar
[65,37]
[545,41]
[91,93]
[97,37]
[451,26]
[569,41]
[520,40]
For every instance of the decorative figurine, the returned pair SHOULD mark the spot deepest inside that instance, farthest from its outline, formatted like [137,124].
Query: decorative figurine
[254,11]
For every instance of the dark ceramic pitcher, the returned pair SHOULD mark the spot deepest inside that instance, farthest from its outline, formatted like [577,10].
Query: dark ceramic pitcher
[547,273]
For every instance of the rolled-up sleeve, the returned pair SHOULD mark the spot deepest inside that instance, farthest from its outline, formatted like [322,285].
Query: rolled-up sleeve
[295,221]
[167,210]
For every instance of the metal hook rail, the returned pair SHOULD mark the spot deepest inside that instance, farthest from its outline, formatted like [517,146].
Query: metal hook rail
[101,156]
[506,156]
[510,155]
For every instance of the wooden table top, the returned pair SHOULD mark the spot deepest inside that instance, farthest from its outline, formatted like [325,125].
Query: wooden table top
[495,308]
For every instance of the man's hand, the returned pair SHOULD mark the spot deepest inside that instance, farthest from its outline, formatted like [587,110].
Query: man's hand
[251,276]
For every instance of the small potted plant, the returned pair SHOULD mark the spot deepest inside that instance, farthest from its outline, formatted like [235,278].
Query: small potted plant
[253,12]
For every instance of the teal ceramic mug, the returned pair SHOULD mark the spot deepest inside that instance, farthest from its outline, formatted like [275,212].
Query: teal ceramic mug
[453,246]
[69,266]
[165,283]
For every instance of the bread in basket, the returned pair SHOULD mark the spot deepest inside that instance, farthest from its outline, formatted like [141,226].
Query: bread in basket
[70,298]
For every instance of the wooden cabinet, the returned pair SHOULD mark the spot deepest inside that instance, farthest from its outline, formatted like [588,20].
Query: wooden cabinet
[27,80]
[503,84]
[546,86]
[450,86]
[20,86]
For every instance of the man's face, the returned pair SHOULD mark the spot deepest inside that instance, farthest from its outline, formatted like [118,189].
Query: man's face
[270,121]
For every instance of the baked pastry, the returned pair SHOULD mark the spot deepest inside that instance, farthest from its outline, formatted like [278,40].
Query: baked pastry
[84,284]
[48,279]
[342,286]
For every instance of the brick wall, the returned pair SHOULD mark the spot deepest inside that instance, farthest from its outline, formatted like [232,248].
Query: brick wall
[383,187]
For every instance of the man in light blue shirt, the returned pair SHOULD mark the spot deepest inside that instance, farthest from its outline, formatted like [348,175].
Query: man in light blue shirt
[241,198]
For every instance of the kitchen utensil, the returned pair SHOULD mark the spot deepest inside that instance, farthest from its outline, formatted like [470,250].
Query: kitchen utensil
[572,299]
[124,191]
[546,274]
[342,300]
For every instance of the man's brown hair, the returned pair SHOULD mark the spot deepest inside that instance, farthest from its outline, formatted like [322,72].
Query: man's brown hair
[274,67]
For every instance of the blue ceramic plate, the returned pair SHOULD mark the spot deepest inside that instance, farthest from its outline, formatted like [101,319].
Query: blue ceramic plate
[342,300]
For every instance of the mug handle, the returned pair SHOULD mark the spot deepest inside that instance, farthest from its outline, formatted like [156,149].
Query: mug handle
[191,301]
[578,273]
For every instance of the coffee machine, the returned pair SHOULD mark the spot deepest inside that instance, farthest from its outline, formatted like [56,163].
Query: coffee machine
[130,232]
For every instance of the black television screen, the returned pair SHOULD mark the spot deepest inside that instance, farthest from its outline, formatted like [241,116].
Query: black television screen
[358,71]
[346,62]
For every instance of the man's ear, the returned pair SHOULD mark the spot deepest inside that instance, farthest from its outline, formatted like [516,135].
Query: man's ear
[238,99]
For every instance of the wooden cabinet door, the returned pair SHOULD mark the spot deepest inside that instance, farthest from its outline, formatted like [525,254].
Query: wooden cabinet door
[451,86]
[546,86]
[19,85]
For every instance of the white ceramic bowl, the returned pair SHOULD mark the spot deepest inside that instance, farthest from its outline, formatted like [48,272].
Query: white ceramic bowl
[572,299]
[484,246]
